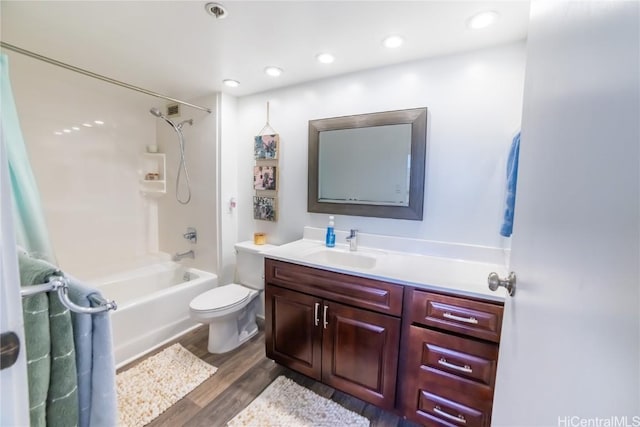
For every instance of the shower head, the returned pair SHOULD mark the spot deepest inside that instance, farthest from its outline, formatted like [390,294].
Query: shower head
[177,127]
[156,112]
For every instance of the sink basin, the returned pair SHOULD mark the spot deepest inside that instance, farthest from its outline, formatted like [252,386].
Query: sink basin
[338,257]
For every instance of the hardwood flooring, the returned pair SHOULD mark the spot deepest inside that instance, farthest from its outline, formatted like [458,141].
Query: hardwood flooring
[242,375]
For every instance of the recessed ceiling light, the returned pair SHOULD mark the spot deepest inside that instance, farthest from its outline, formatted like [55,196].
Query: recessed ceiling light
[75,128]
[87,125]
[325,58]
[231,83]
[58,133]
[98,122]
[392,42]
[66,130]
[482,20]
[273,71]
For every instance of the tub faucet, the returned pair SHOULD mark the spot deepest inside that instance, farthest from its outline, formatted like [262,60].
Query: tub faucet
[189,254]
[353,240]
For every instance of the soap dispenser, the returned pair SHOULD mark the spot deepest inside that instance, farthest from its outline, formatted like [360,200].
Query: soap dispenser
[330,239]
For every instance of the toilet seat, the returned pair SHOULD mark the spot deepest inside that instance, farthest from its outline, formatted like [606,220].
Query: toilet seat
[221,298]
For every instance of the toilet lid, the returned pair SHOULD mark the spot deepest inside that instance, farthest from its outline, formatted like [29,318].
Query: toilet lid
[220,297]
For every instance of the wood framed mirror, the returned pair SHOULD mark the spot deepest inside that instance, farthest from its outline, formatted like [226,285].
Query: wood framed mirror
[368,164]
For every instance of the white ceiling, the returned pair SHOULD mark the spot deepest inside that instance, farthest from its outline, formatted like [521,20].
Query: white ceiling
[176,48]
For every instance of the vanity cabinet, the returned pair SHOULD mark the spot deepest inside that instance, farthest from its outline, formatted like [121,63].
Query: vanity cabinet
[339,329]
[451,348]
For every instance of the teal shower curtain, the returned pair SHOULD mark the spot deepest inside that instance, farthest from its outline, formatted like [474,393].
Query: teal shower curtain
[31,230]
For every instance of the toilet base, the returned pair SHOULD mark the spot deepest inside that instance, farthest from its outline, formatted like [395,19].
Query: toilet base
[229,333]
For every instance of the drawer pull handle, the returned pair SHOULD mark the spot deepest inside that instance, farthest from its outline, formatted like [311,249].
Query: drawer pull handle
[326,307]
[460,319]
[466,368]
[459,418]
[316,319]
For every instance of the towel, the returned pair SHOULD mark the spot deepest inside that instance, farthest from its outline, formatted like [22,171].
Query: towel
[94,359]
[51,364]
[37,340]
[512,181]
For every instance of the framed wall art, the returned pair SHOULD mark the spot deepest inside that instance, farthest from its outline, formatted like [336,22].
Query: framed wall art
[265,147]
[264,208]
[265,178]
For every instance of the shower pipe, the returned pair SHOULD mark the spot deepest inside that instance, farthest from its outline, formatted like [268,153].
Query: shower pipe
[88,73]
[182,165]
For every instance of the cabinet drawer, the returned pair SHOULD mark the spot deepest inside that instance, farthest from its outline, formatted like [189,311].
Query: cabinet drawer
[474,318]
[464,358]
[356,291]
[432,393]
[437,410]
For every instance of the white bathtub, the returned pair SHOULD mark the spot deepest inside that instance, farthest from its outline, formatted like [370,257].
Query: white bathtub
[153,305]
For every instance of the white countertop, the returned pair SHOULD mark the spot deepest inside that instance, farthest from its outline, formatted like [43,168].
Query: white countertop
[454,276]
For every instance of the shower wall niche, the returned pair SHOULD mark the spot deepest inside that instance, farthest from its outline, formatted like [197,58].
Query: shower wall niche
[153,174]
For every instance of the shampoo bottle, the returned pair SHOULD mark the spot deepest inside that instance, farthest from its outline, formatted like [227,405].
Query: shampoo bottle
[330,239]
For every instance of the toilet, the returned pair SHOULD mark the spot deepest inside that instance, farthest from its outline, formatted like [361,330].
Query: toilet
[230,310]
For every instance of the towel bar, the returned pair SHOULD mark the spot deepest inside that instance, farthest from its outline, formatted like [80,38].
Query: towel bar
[60,285]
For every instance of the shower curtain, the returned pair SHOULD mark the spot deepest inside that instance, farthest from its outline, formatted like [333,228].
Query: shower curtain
[31,230]
[71,372]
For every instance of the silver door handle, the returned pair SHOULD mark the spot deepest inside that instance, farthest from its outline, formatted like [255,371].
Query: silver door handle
[466,368]
[509,283]
[326,308]
[316,319]
[459,418]
[448,315]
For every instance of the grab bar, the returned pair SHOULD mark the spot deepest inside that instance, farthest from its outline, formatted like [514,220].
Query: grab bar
[61,286]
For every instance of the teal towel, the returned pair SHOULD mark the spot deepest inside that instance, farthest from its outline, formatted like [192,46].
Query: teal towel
[37,341]
[51,366]
[62,398]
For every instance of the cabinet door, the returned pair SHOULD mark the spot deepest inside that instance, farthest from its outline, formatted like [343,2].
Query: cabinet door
[360,353]
[293,332]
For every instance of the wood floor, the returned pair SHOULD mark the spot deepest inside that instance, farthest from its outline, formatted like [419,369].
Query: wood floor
[242,375]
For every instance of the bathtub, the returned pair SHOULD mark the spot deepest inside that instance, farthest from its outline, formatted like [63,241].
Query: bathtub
[153,305]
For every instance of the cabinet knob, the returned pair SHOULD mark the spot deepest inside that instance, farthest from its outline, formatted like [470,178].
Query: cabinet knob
[509,283]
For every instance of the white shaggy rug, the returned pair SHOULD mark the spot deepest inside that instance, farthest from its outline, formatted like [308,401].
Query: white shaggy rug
[286,404]
[149,388]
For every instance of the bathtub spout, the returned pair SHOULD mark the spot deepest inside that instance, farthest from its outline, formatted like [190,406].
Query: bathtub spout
[189,254]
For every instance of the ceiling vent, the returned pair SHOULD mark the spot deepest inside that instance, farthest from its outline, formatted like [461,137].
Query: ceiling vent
[173,110]
[216,10]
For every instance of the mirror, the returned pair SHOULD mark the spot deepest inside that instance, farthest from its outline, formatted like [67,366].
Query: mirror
[368,164]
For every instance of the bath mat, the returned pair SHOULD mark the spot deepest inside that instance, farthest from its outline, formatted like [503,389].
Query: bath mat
[152,386]
[286,404]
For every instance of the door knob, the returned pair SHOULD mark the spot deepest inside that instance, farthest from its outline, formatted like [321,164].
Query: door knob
[9,349]
[509,283]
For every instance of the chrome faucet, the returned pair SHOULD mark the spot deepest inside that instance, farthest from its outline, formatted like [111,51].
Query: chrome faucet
[191,235]
[189,254]
[353,240]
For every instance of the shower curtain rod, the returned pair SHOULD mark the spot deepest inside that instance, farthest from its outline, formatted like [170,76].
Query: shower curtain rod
[97,76]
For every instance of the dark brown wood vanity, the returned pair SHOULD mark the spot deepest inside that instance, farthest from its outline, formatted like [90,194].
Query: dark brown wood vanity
[428,356]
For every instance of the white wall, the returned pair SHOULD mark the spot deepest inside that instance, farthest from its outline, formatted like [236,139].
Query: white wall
[228,174]
[475,105]
[88,179]
[201,159]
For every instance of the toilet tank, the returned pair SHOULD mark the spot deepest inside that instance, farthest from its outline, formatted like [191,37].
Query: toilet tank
[250,264]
